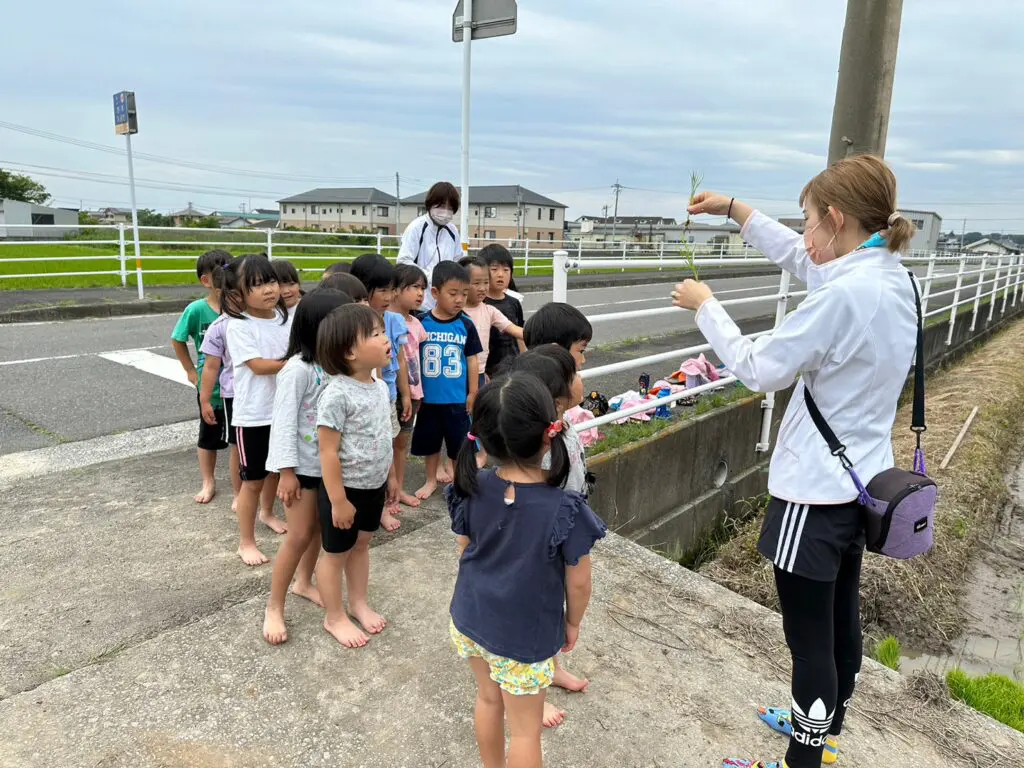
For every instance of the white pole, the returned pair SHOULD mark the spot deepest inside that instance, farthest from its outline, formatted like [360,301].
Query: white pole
[927,285]
[661,253]
[956,300]
[768,404]
[135,217]
[270,244]
[560,283]
[995,290]
[1006,293]
[526,259]
[120,245]
[977,295]
[1016,282]
[467,42]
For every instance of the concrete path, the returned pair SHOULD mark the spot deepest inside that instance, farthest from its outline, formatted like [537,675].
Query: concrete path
[130,636]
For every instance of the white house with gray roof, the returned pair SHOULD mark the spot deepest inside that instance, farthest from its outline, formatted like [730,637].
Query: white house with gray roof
[509,212]
[341,209]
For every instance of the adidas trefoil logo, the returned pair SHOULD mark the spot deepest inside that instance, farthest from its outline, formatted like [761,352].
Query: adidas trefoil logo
[812,725]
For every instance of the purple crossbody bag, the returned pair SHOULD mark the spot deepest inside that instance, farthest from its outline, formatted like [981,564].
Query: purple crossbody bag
[899,505]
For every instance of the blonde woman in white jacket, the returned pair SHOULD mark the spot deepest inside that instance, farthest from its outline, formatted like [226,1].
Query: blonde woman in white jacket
[432,238]
[851,343]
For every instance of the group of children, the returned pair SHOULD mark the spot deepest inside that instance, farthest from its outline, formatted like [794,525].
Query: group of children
[321,395]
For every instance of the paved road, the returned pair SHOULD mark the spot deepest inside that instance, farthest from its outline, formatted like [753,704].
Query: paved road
[74,380]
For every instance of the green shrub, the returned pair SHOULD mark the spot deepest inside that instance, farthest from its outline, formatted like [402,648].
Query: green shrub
[997,696]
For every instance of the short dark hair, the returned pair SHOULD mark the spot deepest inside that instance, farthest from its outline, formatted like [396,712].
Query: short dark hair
[443,192]
[306,319]
[472,261]
[210,261]
[286,271]
[338,266]
[374,271]
[557,323]
[346,283]
[496,253]
[407,275]
[550,363]
[245,273]
[446,272]
[340,331]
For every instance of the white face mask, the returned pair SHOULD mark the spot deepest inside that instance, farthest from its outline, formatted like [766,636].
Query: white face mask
[441,216]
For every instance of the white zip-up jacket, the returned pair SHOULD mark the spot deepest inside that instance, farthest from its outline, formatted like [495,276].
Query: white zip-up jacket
[426,245]
[851,341]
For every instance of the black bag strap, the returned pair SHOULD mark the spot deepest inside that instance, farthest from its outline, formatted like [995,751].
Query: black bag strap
[917,424]
[423,232]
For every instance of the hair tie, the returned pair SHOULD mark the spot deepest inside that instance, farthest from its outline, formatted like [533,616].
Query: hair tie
[894,216]
[555,427]
[471,437]
[474,440]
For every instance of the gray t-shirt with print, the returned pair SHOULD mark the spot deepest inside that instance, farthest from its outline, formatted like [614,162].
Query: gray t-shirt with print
[577,479]
[361,412]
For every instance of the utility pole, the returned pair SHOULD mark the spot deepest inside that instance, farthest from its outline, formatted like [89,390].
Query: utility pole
[963,232]
[398,205]
[519,212]
[867,67]
[615,216]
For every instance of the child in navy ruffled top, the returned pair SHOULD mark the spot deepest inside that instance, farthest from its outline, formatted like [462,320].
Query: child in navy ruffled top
[524,568]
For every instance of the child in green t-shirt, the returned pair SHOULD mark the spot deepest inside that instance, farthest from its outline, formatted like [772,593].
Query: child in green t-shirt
[192,325]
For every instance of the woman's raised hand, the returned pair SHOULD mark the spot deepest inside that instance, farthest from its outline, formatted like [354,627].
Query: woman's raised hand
[709,202]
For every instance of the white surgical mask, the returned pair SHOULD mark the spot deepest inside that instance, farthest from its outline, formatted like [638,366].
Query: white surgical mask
[441,216]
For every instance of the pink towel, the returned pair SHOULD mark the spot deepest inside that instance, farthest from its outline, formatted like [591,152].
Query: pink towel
[577,416]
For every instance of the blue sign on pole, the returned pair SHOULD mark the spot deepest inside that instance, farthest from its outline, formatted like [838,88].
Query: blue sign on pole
[125,121]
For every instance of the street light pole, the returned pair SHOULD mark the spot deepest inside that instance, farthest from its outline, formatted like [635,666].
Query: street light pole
[467,42]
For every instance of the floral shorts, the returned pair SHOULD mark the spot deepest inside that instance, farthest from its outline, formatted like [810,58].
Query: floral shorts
[513,677]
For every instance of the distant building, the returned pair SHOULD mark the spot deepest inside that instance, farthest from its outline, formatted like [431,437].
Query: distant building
[929,229]
[509,212]
[796,224]
[651,229]
[187,215]
[996,247]
[112,215]
[341,210]
[24,221]
[247,219]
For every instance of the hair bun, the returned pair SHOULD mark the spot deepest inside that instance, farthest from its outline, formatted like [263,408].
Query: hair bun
[894,216]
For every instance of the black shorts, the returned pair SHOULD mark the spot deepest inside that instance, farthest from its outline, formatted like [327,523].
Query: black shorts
[369,506]
[810,541]
[253,446]
[229,409]
[212,437]
[406,426]
[437,423]
[307,482]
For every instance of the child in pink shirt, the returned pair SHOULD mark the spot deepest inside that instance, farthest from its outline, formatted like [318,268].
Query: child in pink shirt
[408,297]
[483,315]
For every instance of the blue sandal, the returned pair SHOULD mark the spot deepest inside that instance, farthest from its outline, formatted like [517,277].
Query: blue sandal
[730,762]
[778,719]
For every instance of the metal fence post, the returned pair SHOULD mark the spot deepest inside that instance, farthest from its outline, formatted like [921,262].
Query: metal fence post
[1016,281]
[768,404]
[927,285]
[956,299]
[995,290]
[270,244]
[378,244]
[624,256]
[526,258]
[579,256]
[661,253]
[977,295]
[560,276]
[120,245]
[1006,290]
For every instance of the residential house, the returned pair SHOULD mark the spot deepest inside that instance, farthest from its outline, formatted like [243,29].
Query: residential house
[187,215]
[247,219]
[996,247]
[341,209]
[112,215]
[509,212]
[929,229]
[651,229]
[28,221]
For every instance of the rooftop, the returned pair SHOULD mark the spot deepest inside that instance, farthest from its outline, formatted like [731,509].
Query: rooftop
[510,194]
[370,195]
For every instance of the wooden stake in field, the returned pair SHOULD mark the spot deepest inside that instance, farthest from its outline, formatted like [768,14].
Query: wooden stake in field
[959,438]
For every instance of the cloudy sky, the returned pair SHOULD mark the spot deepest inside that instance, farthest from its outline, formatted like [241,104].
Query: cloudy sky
[343,93]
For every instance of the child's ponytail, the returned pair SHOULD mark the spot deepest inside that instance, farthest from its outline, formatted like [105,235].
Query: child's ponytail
[465,467]
[559,471]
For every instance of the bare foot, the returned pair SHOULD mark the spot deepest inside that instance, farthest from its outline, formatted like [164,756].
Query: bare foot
[553,716]
[408,499]
[372,621]
[389,521]
[444,474]
[346,633]
[234,505]
[277,526]
[274,630]
[251,555]
[392,508]
[564,679]
[205,495]
[427,490]
[308,591]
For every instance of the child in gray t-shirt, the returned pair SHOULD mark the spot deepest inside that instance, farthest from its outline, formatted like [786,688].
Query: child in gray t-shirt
[354,430]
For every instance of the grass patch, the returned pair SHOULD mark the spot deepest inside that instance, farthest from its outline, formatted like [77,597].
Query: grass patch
[997,696]
[888,653]
[618,435]
[919,600]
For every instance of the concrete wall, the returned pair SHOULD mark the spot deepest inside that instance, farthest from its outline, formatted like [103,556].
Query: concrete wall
[670,491]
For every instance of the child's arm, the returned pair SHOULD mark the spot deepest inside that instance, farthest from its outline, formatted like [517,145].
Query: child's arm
[283,453]
[578,585]
[343,514]
[404,394]
[182,353]
[473,369]
[461,542]
[211,371]
[263,367]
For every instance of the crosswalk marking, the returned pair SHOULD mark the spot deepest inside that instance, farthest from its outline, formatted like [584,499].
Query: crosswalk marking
[150,362]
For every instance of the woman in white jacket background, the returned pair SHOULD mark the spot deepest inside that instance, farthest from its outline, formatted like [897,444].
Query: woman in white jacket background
[851,343]
[432,238]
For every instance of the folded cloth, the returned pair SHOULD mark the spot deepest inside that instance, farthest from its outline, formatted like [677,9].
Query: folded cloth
[693,370]
[642,416]
[578,416]
[616,402]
